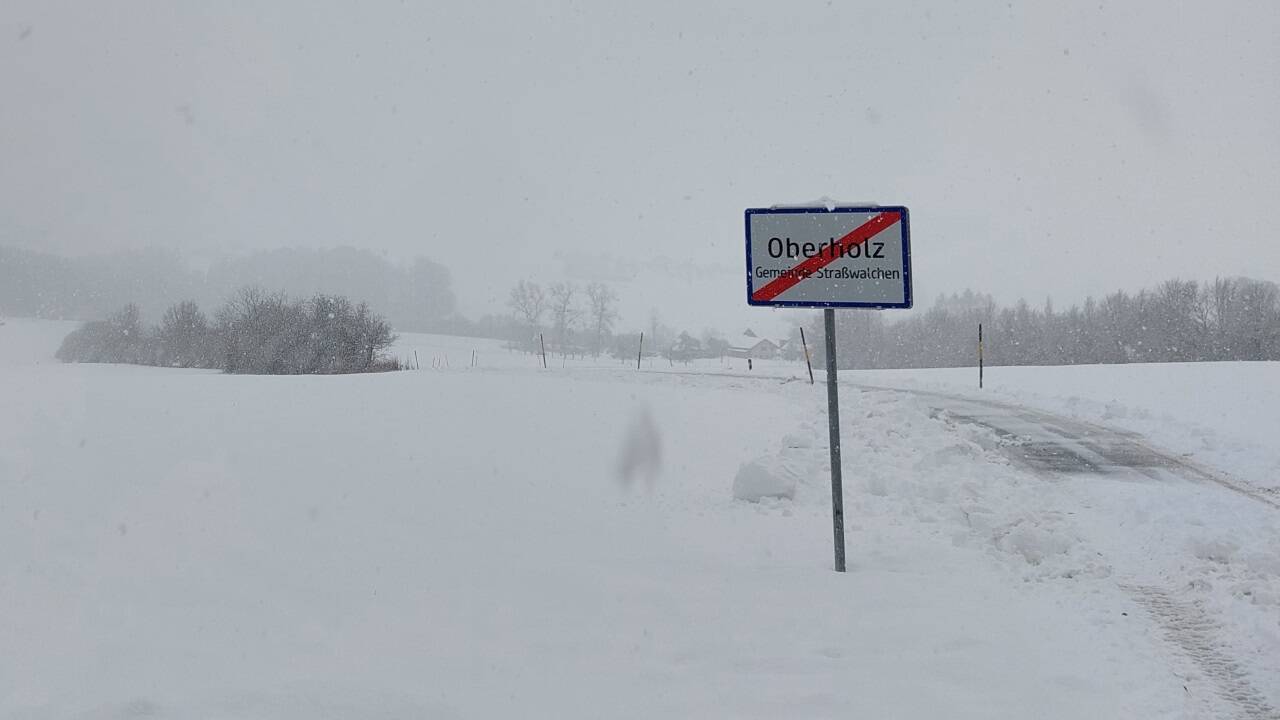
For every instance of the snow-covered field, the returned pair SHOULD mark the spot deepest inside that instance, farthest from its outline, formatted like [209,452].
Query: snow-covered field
[458,542]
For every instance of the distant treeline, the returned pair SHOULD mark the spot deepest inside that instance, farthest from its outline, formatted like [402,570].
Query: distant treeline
[1178,321]
[415,296]
[254,333]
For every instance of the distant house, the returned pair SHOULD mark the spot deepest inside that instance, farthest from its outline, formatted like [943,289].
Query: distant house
[749,345]
[789,350]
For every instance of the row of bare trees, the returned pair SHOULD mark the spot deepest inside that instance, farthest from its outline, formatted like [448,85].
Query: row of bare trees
[577,320]
[1177,321]
[256,332]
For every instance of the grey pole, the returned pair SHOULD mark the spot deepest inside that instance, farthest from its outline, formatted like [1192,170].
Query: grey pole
[833,422]
[979,356]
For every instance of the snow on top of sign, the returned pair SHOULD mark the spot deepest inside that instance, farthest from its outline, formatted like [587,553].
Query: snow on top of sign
[824,202]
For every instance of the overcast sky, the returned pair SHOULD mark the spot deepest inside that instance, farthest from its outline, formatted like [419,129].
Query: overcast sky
[1046,149]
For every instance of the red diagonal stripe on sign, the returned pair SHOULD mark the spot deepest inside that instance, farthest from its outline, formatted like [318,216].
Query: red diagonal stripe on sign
[789,279]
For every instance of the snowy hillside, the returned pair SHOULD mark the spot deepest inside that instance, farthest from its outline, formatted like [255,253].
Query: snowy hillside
[457,542]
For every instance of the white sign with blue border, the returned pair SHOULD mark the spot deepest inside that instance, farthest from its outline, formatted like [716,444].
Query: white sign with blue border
[829,257]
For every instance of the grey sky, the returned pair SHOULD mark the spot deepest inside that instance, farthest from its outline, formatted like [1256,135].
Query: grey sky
[1047,149]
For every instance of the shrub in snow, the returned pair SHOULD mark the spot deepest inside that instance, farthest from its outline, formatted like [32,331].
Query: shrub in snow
[118,339]
[183,339]
[256,333]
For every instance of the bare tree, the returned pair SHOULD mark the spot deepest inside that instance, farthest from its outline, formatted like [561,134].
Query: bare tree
[1223,301]
[1175,311]
[528,302]
[601,300]
[563,311]
[1260,331]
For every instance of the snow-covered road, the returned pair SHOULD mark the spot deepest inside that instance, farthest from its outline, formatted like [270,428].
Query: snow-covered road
[1210,614]
[1049,443]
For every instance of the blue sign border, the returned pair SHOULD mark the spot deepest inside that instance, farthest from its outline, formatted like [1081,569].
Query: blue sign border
[906,257]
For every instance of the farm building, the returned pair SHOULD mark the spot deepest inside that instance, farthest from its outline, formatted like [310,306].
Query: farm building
[749,345]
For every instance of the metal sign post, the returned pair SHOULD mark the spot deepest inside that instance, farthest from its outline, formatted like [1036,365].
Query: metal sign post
[833,425]
[829,257]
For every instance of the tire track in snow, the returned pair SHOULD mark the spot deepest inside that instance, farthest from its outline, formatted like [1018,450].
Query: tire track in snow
[1187,627]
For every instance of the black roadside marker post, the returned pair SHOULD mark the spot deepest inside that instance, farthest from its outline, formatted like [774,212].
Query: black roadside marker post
[979,356]
[640,350]
[544,351]
[829,257]
[808,363]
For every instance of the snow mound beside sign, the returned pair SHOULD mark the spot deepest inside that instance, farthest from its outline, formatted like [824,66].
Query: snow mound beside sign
[772,475]
[777,475]
[765,477]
